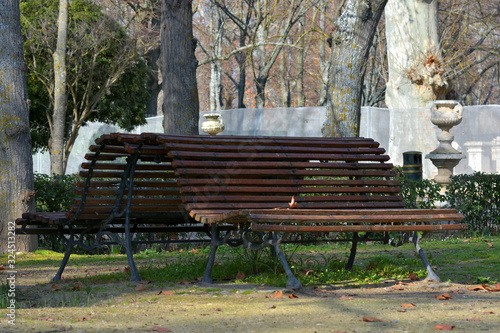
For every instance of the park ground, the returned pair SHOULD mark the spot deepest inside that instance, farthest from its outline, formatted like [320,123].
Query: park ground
[96,296]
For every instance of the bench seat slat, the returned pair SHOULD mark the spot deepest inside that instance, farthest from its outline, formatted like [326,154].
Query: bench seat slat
[112,192]
[138,174]
[137,184]
[121,166]
[357,228]
[273,218]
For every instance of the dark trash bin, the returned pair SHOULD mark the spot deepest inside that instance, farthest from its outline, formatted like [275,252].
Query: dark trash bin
[412,165]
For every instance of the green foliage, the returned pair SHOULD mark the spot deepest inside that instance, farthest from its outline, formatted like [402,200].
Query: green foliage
[107,77]
[477,196]
[54,193]
[419,194]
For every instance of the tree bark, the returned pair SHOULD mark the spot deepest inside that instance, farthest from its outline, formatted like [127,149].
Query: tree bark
[415,76]
[56,142]
[216,35]
[180,92]
[414,58]
[16,165]
[351,43]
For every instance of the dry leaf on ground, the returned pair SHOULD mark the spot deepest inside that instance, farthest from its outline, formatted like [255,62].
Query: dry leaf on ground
[444,327]
[443,297]
[278,294]
[55,287]
[372,320]
[407,305]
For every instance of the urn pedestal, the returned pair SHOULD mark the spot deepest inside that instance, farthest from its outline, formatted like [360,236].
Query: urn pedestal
[445,115]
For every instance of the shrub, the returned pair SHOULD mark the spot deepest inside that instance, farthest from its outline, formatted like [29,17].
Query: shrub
[477,196]
[419,194]
[54,193]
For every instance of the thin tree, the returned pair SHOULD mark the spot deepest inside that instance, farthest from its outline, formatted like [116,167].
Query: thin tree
[16,164]
[58,120]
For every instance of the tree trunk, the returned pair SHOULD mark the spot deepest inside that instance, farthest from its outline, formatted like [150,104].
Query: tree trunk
[414,57]
[56,142]
[324,64]
[180,92]
[415,76]
[216,34]
[16,165]
[351,42]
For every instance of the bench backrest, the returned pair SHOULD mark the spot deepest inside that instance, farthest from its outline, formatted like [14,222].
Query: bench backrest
[156,197]
[229,172]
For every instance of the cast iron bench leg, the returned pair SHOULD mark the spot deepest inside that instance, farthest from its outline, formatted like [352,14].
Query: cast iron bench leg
[354,248]
[214,244]
[431,276]
[292,282]
[70,242]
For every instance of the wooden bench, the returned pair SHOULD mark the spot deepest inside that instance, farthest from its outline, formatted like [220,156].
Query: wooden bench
[234,188]
[283,185]
[129,187]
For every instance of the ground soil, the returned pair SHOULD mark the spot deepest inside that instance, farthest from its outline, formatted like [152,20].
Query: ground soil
[236,307]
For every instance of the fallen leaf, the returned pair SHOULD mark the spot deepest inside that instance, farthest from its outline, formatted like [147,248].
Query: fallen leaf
[489,312]
[407,305]
[271,307]
[443,297]
[240,275]
[345,297]
[488,243]
[77,286]
[372,320]
[126,270]
[278,294]
[306,271]
[140,287]
[2,268]
[486,287]
[398,287]
[413,277]
[293,296]
[473,319]
[401,310]
[444,327]
[292,203]
[82,319]
[55,287]
[166,292]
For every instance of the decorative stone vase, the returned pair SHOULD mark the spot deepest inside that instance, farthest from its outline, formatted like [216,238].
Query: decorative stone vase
[445,115]
[214,123]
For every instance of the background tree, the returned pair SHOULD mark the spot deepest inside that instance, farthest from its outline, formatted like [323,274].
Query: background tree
[351,41]
[57,121]
[16,165]
[180,91]
[107,77]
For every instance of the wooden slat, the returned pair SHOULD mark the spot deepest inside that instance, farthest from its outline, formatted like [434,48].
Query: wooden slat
[137,174]
[260,149]
[282,172]
[310,205]
[112,192]
[226,181]
[278,164]
[285,199]
[121,166]
[292,190]
[135,201]
[175,154]
[357,228]
[368,218]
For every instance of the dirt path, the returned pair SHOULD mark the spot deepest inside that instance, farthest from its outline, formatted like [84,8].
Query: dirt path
[132,307]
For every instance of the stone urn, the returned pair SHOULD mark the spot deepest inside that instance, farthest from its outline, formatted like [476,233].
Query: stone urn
[445,115]
[213,123]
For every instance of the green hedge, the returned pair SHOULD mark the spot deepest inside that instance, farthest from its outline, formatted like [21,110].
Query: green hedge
[477,196]
[54,193]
